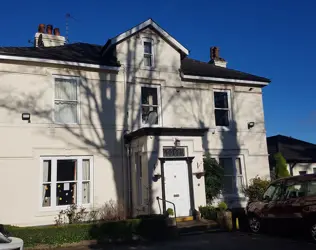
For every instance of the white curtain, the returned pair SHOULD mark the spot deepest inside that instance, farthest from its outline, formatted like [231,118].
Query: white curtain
[66,100]
[45,180]
[66,89]
[86,181]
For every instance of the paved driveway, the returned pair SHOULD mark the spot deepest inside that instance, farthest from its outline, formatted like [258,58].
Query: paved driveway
[219,241]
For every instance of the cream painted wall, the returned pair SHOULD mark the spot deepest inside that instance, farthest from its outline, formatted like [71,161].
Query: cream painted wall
[110,103]
[308,167]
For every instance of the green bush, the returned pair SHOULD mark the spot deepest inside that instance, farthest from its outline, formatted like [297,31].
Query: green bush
[208,212]
[151,227]
[281,169]
[256,189]
[213,177]
[51,235]
[222,206]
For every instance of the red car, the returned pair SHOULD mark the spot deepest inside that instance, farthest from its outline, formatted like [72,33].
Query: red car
[287,204]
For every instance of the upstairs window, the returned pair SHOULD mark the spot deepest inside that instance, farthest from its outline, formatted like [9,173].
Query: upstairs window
[150,106]
[148,53]
[222,107]
[66,100]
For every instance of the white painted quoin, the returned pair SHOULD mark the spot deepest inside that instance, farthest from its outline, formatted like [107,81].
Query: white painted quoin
[95,143]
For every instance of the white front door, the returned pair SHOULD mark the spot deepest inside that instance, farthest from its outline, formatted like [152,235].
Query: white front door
[177,186]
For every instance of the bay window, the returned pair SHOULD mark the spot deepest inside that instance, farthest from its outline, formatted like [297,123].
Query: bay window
[66,181]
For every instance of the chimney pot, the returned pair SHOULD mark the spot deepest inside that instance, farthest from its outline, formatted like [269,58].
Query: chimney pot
[56,32]
[41,28]
[49,29]
[214,53]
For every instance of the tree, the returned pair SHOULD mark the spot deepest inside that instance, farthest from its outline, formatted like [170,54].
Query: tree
[213,177]
[281,169]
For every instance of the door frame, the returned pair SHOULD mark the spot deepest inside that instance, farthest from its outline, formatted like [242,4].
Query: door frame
[188,160]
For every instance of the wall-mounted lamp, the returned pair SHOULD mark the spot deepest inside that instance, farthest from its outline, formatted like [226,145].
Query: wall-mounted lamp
[176,142]
[251,125]
[156,177]
[26,117]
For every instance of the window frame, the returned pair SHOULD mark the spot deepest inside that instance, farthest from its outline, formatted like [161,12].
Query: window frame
[77,79]
[148,40]
[53,182]
[238,193]
[139,178]
[158,87]
[229,109]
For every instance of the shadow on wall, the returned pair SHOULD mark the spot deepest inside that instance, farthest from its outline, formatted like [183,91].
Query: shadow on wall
[104,118]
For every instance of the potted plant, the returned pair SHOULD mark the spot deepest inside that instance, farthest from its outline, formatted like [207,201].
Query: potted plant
[171,221]
[224,217]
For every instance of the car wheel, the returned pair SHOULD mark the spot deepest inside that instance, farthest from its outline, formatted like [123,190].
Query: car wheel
[312,231]
[254,224]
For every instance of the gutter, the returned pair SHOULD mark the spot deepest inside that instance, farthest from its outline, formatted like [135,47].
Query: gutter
[218,79]
[59,62]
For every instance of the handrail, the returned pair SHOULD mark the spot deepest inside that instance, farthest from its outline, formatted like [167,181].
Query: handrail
[174,206]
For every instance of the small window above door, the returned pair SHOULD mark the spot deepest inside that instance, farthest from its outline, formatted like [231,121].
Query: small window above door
[174,151]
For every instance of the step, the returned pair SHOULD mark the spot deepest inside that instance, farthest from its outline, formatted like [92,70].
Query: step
[188,227]
[184,218]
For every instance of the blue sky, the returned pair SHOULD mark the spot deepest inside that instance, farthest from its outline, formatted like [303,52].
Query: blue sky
[275,39]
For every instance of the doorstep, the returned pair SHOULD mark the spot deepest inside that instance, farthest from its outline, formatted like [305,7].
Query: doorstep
[198,227]
[184,218]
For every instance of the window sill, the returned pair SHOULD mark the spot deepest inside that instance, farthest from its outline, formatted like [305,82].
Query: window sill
[46,211]
[223,128]
[66,124]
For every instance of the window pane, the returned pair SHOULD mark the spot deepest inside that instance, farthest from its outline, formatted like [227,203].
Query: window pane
[66,89]
[294,190]
[221,117]
[221,99]
[278,193]
[147,47]
[66,193]
[46,195]
[269,192]
[149,96]
[228,187]
[149,115]
[86,170]
[238,166]
[302,172]
[227,164]
[173,152]
[86,192]
[66,170]
[239,182]
[314,170]
[47,168]
[148,60]
[66,112]
[311,189]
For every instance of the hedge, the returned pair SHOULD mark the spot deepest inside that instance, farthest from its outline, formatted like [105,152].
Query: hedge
[152,228]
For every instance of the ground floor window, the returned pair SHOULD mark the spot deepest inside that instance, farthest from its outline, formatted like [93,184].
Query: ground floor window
[233,179]
[65,181]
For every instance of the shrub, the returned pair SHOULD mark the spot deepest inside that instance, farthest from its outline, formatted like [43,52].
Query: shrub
[170,212]
[281,169]
[71,215]
[208,212]
[112,211]
[213,177]
[222,206]
[256,189]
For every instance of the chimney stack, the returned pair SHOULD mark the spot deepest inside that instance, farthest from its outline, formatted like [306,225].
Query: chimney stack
[50,38]
[215,58]
[56,32]
[49,29]
[41,28]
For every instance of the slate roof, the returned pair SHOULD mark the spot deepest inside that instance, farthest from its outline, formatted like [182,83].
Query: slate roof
[75,52]
[90,53]
[293,150]
[197,68]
